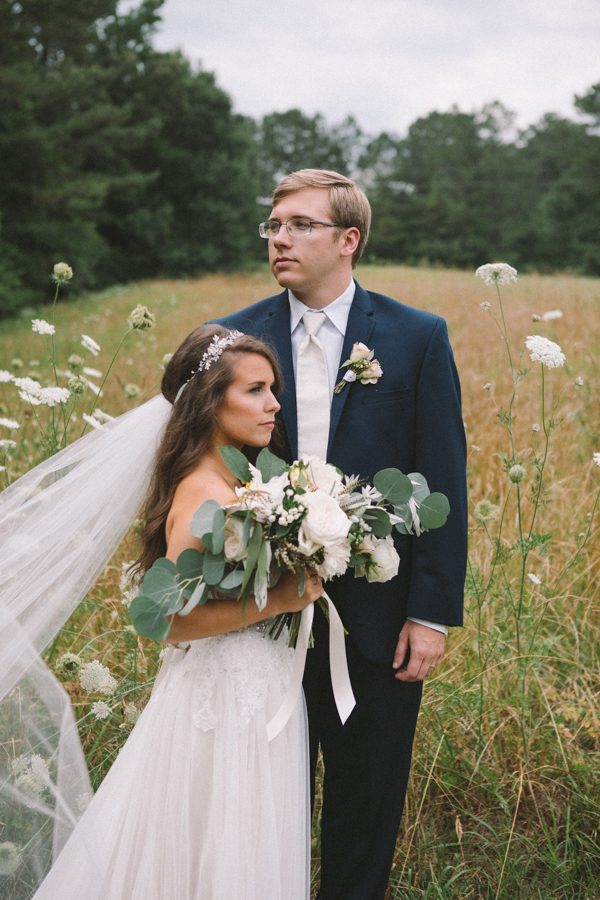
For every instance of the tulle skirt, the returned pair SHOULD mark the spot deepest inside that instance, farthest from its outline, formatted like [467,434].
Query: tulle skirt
[199,805]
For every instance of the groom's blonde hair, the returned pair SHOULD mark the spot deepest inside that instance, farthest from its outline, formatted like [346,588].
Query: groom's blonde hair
[349,205]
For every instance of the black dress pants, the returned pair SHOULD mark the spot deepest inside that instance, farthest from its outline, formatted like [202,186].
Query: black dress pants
[367,763]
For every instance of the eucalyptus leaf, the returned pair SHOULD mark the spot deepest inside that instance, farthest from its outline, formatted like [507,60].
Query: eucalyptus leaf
[252,558]
[190,563]
[160,583]
[232,580]
[218,531]
[420,486]
[393,485]
[379,521]
[214,567]
[236,462]
[434,510]
[198,596]
[148,617]
[202,520]
[269,465]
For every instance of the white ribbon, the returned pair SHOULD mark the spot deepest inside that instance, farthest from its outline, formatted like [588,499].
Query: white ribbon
[338,663]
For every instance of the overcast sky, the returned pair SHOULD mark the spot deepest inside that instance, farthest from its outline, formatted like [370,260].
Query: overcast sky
[389,61]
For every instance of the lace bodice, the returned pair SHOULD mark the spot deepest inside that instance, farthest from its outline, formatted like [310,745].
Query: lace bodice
[248,660]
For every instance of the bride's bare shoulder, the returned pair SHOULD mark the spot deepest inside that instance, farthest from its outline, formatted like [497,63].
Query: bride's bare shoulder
[192,491]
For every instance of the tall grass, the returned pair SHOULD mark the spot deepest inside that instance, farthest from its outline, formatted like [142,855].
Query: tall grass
[503,800]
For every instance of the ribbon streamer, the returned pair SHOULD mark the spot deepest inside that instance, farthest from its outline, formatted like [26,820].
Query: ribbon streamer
[345,700]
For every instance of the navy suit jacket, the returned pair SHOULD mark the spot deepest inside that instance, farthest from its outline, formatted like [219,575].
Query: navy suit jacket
[411,419]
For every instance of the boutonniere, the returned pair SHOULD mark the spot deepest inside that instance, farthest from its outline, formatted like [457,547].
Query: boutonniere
[361,367]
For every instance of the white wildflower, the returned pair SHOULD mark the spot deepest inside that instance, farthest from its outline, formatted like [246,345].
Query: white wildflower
[141,319]
[536,427]
[90,344]
[517,473]
[93,387]
[29,390]
[91,373]
[534,579]
[475,448]
[487,386]
[596,459]
[76,385]
[497,273]
[10,858]
[5,376]
[128,583]
[166,360]
[102,416]
[132,390]
[131,713]
[31,776]
[52,396]
[91,420]
[552,314]
[486,512]
[101,710]
[536,318]
[68,665]
[83,800]
[62,272]
[7,444]
[93,676]
[40,326]
[75,362]
[485,305]
[11,424]
[579,381]
[544,351]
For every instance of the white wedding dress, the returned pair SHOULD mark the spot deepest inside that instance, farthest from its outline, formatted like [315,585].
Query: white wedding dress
[198,804]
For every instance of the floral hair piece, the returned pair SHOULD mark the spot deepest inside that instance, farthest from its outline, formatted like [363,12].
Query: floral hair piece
[210,356]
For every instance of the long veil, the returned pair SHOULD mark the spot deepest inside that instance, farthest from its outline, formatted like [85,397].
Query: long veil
[59,526]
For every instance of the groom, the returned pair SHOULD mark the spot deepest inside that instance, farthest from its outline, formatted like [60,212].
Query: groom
[408,417]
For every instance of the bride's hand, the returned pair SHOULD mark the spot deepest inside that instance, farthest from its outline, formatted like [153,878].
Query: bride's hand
[285,596]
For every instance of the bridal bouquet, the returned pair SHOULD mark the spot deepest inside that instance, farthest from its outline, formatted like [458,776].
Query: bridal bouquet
[306,515]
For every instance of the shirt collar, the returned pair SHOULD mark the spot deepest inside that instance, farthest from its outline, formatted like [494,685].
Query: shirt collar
[337,311]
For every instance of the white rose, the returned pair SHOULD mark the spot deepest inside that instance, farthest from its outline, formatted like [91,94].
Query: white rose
[337,557]
[372,373]
[234,546]
[324,477]
[360,352]
[385,561]
[324,524]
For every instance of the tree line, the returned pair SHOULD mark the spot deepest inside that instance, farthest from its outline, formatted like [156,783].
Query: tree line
[129,163]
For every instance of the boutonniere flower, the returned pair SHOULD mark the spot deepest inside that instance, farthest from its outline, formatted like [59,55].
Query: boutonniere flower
[360,367]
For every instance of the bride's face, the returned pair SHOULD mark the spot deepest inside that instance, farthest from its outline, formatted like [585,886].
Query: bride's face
[247,414]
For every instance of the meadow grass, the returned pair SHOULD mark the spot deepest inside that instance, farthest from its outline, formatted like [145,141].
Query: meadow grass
[503,800]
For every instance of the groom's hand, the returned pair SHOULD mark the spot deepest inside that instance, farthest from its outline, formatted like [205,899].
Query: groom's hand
[418,652]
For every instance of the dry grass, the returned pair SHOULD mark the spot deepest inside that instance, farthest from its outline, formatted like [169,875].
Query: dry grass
[503,798]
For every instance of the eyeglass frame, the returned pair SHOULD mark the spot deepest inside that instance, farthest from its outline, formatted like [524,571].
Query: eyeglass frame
[311,222]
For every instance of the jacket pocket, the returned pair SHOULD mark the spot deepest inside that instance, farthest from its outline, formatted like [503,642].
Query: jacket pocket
[375,397]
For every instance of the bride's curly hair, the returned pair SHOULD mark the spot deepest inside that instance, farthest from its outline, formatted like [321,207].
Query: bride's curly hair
[189,431]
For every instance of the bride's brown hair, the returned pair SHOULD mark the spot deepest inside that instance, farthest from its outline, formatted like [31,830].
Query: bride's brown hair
[189,431]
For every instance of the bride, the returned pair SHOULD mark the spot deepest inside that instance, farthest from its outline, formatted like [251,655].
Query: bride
[199,805]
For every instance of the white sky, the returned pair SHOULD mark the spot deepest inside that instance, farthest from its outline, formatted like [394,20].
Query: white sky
[389,61]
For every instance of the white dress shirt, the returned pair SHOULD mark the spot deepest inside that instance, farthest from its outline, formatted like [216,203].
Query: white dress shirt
[331,336]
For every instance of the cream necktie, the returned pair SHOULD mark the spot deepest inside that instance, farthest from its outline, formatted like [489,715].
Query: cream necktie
[312,390]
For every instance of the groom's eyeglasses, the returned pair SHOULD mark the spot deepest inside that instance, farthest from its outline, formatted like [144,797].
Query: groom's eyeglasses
[296,227]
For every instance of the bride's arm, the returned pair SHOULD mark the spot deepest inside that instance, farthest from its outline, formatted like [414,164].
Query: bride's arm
[220,615]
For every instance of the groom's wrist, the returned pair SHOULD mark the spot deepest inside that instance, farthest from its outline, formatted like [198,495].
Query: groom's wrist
[435,625]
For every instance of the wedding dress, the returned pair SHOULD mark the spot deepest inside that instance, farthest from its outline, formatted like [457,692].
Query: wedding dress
[199,805]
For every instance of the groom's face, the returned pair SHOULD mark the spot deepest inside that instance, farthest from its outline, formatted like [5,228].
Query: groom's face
[306,262]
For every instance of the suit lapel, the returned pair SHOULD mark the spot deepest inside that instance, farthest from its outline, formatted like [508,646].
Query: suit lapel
[277,328]
[361,322]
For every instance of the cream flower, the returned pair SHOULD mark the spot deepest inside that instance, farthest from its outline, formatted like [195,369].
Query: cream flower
[384,561]
[360,352]
[93,676]
[11,424]
[234,547]
[101,710]
[322,476]
[372,373]
[141,319]
[62,272]
[335,561]
[40,326]
[90,344]
[544,351]
[324,524]
[552,314]
[496,273]
[10,858]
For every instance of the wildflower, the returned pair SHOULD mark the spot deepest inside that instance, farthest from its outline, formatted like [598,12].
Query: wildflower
[40,326]
[91,420]
[475,448]
[131,713]
[91,373]
[5,376]
[487,386]
[29,390]
[485,512]
[7,444]
[128,583]
[75,362]
[579,381]
[517,473]
[536,318]
[141,319]
[132,390]
[34,363]
[102,416]
[101,710]
[16,362]
[10,858]
[76,384]
[51,396]
[552,314]
[496,273]
[544,351]
[166,360]
[31,775]
[83,801]
[68,665]
[93,676]
[93,387]
[485,305]
[90,344]
[11,424]
[536,427]
[596,459]
[62,273]
[534,579]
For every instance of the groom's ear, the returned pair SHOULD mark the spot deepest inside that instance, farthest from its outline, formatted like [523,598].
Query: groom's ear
[349,240]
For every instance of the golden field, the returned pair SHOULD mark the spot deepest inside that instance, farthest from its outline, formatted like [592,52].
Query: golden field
[504,795]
